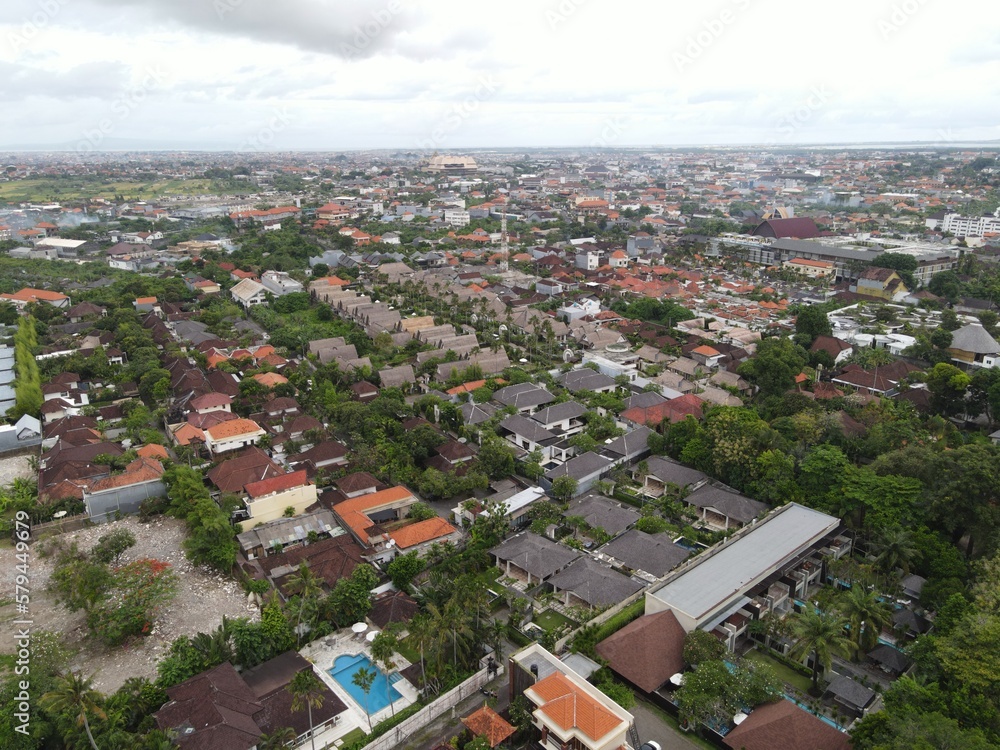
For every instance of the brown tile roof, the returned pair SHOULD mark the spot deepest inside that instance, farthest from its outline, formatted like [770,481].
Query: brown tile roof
[783,724]
[252,466]
[489,724]
[647,651]
[329,559]
[393,606]
[279,483]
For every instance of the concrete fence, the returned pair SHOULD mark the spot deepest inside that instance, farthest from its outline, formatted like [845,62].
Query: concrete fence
[398,734]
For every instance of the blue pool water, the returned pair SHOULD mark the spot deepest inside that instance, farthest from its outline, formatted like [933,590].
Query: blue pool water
[343,670]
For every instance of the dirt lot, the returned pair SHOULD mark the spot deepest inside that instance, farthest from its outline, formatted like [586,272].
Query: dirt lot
[202,599]
[15,467]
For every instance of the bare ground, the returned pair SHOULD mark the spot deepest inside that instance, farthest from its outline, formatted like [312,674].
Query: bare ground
[15,467]
[203,597]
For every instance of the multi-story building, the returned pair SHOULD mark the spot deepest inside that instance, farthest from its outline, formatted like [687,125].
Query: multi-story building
[965,226]
[566,710]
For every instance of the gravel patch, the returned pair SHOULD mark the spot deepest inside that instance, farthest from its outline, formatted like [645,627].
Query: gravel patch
[15,467]
[203,598]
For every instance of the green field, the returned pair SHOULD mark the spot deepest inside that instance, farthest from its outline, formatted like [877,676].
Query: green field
[548,620]
[61,189]
[796,679]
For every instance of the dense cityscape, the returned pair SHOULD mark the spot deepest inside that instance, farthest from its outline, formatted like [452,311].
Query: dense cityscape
[703,440]
[379,375]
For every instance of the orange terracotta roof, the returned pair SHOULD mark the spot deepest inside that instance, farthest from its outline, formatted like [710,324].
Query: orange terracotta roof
[270,379]
[569,707]
[30,295]
[232,428]
[422,531]
[188,433]
[152,450]
[145,300]
[352,511]
[706,351]
[489,724]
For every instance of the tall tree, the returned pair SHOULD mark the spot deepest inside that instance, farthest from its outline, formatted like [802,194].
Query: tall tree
[384,649]
[364,678]
[307,692]
[308,587]
[76,693]
[820,635]
[866,614]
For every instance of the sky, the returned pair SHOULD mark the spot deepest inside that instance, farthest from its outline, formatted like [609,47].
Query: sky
[257,75]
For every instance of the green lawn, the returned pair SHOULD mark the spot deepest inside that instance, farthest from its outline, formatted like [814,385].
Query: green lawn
[796,679]
[549,620]
[353,736]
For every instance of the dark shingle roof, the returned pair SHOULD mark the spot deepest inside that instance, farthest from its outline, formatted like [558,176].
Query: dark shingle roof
[535,554]
[729,502]
[602,513]
[647,651]
[655,554]
[596,584]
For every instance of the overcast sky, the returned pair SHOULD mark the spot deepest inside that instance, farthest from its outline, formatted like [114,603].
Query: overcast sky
[442,74]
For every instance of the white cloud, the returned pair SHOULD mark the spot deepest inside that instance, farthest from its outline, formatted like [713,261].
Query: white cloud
[386,73]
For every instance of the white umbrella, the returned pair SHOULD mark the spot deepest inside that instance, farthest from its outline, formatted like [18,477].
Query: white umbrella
[371,636]
[677,679]
[739,718]
[359,627]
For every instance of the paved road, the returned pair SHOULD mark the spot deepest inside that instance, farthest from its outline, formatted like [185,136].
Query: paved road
[651,726]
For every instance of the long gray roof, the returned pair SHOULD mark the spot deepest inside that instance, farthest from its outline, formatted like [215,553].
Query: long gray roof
[730,570]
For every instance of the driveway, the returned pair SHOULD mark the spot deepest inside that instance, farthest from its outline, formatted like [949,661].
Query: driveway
[652,726]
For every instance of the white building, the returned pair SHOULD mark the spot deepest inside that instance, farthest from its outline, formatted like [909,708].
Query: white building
[457,217]
[279,283]
[966,226]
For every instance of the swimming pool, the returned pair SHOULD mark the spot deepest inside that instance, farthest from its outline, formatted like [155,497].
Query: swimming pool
[381,694]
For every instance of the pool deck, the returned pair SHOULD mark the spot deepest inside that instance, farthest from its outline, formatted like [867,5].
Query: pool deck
[322,653]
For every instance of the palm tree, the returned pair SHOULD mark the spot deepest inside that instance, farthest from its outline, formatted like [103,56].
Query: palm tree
[420,633]
[76,693]
[866,615]
[384,647]
[307,692]
[364,678]
[896,549]
[307,586]
[821,635]
[277,740]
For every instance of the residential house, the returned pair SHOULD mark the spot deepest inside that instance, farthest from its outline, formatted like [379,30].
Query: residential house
[586,379]
[532,558]
[222,708]
[587,583]
[527,398]
[647,652]
[280,283]
[271,498]
[249,293]
[232,435]
[567,711]
[646,556]
[973,346]
[783,724]
[587,469]
[26,296]
[722,508]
